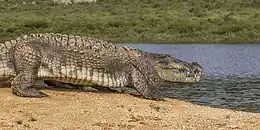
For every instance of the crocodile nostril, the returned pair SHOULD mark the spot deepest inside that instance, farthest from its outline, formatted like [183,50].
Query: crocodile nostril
[196,71]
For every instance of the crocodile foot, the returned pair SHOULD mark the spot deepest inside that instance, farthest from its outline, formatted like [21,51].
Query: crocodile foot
[30,92]
[153,94]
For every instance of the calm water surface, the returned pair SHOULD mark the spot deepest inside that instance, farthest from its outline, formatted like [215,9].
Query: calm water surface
[231,74]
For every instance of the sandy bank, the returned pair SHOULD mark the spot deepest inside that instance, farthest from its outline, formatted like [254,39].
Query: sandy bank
[84,110]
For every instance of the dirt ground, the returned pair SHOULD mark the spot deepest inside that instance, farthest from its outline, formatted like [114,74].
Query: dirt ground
[67,110]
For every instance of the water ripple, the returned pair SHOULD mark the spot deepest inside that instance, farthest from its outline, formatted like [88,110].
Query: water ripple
[234,92]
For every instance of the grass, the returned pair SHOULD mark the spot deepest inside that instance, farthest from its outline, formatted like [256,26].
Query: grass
[149,21]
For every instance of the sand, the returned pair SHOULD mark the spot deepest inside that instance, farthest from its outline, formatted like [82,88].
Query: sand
[68,110]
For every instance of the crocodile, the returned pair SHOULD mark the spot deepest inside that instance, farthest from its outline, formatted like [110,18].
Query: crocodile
[164,60]
[81,60]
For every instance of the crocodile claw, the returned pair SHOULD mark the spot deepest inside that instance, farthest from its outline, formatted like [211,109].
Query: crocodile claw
[154,94]
[30,92]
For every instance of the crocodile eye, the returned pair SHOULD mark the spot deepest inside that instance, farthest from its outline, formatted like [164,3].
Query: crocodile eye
[164,64]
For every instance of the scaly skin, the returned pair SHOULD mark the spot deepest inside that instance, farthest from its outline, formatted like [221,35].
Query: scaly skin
[80,61]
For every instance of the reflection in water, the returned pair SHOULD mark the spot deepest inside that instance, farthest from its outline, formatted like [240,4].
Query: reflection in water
[231,74]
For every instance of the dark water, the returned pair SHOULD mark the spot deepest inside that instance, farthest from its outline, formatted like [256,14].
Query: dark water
[231,74]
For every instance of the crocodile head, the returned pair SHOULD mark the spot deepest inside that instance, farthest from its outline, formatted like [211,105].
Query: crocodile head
[171,69]
[175,70]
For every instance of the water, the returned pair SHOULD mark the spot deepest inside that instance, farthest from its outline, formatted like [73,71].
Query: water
[231,74]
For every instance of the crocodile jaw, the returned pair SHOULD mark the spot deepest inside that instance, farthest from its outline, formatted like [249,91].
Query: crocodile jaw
[178,76]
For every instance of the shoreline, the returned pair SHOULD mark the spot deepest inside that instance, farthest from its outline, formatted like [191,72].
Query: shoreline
[189,42]
[92,110]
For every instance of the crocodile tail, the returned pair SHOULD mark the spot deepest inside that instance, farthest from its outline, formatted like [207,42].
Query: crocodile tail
[6,63]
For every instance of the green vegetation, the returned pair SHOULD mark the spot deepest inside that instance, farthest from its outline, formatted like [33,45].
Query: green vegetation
[153,21]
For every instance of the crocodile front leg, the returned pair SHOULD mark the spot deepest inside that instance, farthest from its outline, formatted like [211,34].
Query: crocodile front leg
[27,61]
[144,87]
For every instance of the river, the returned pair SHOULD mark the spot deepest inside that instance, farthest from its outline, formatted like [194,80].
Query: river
[231,74]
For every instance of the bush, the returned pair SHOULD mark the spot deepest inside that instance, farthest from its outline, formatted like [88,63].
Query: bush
[137,20]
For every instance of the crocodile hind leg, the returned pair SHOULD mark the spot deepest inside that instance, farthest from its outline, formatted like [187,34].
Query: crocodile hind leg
[27,61]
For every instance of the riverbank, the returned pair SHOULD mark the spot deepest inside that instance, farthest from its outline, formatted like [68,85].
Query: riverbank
[135,21]
[85,110]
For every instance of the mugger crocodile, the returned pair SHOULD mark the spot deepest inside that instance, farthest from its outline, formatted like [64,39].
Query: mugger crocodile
[81,60]
[191,70]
